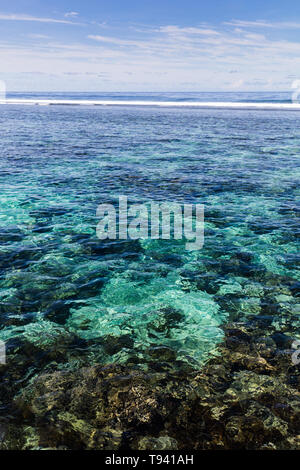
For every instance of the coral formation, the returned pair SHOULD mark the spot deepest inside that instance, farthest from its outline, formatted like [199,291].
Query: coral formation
[246,398]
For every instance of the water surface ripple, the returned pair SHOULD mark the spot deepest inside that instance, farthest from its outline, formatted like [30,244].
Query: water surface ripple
[135,301]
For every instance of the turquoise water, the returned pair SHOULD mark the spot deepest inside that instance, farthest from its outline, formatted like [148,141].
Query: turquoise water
[120,300]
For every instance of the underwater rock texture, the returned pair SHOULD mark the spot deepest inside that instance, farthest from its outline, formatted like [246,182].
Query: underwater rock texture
[247,398]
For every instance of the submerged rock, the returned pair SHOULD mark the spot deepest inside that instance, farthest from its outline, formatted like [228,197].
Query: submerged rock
[114,344]
[246,398]
[159,443]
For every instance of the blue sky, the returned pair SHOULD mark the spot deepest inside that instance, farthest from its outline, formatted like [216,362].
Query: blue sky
[157,45]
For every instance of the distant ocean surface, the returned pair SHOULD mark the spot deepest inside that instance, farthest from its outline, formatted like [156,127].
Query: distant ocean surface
[114,301]
[244,97]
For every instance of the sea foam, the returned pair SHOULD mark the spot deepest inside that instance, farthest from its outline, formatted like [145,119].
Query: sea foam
[187,104]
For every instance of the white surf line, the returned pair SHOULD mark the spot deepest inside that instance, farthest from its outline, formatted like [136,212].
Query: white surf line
[180,104]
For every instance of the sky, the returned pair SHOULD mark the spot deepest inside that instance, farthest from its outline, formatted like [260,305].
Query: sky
[156,45]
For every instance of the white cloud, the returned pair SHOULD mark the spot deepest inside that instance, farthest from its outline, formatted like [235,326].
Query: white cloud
[170,57]
[263,24]
[117,41]
[176,29]
[71,14]
[38,36]
[18,17]
[237,85]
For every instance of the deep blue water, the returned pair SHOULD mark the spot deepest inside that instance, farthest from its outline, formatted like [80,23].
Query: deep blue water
[244,97]
[57,279]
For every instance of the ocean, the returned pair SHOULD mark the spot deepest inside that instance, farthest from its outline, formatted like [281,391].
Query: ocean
[147,304]
[180,97]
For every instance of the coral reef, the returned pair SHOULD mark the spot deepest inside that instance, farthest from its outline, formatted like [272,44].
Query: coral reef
[246,398]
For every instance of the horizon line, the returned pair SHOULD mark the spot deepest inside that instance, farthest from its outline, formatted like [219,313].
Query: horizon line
[151,91]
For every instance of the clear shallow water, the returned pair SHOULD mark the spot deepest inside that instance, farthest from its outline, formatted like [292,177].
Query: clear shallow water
[120,298]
